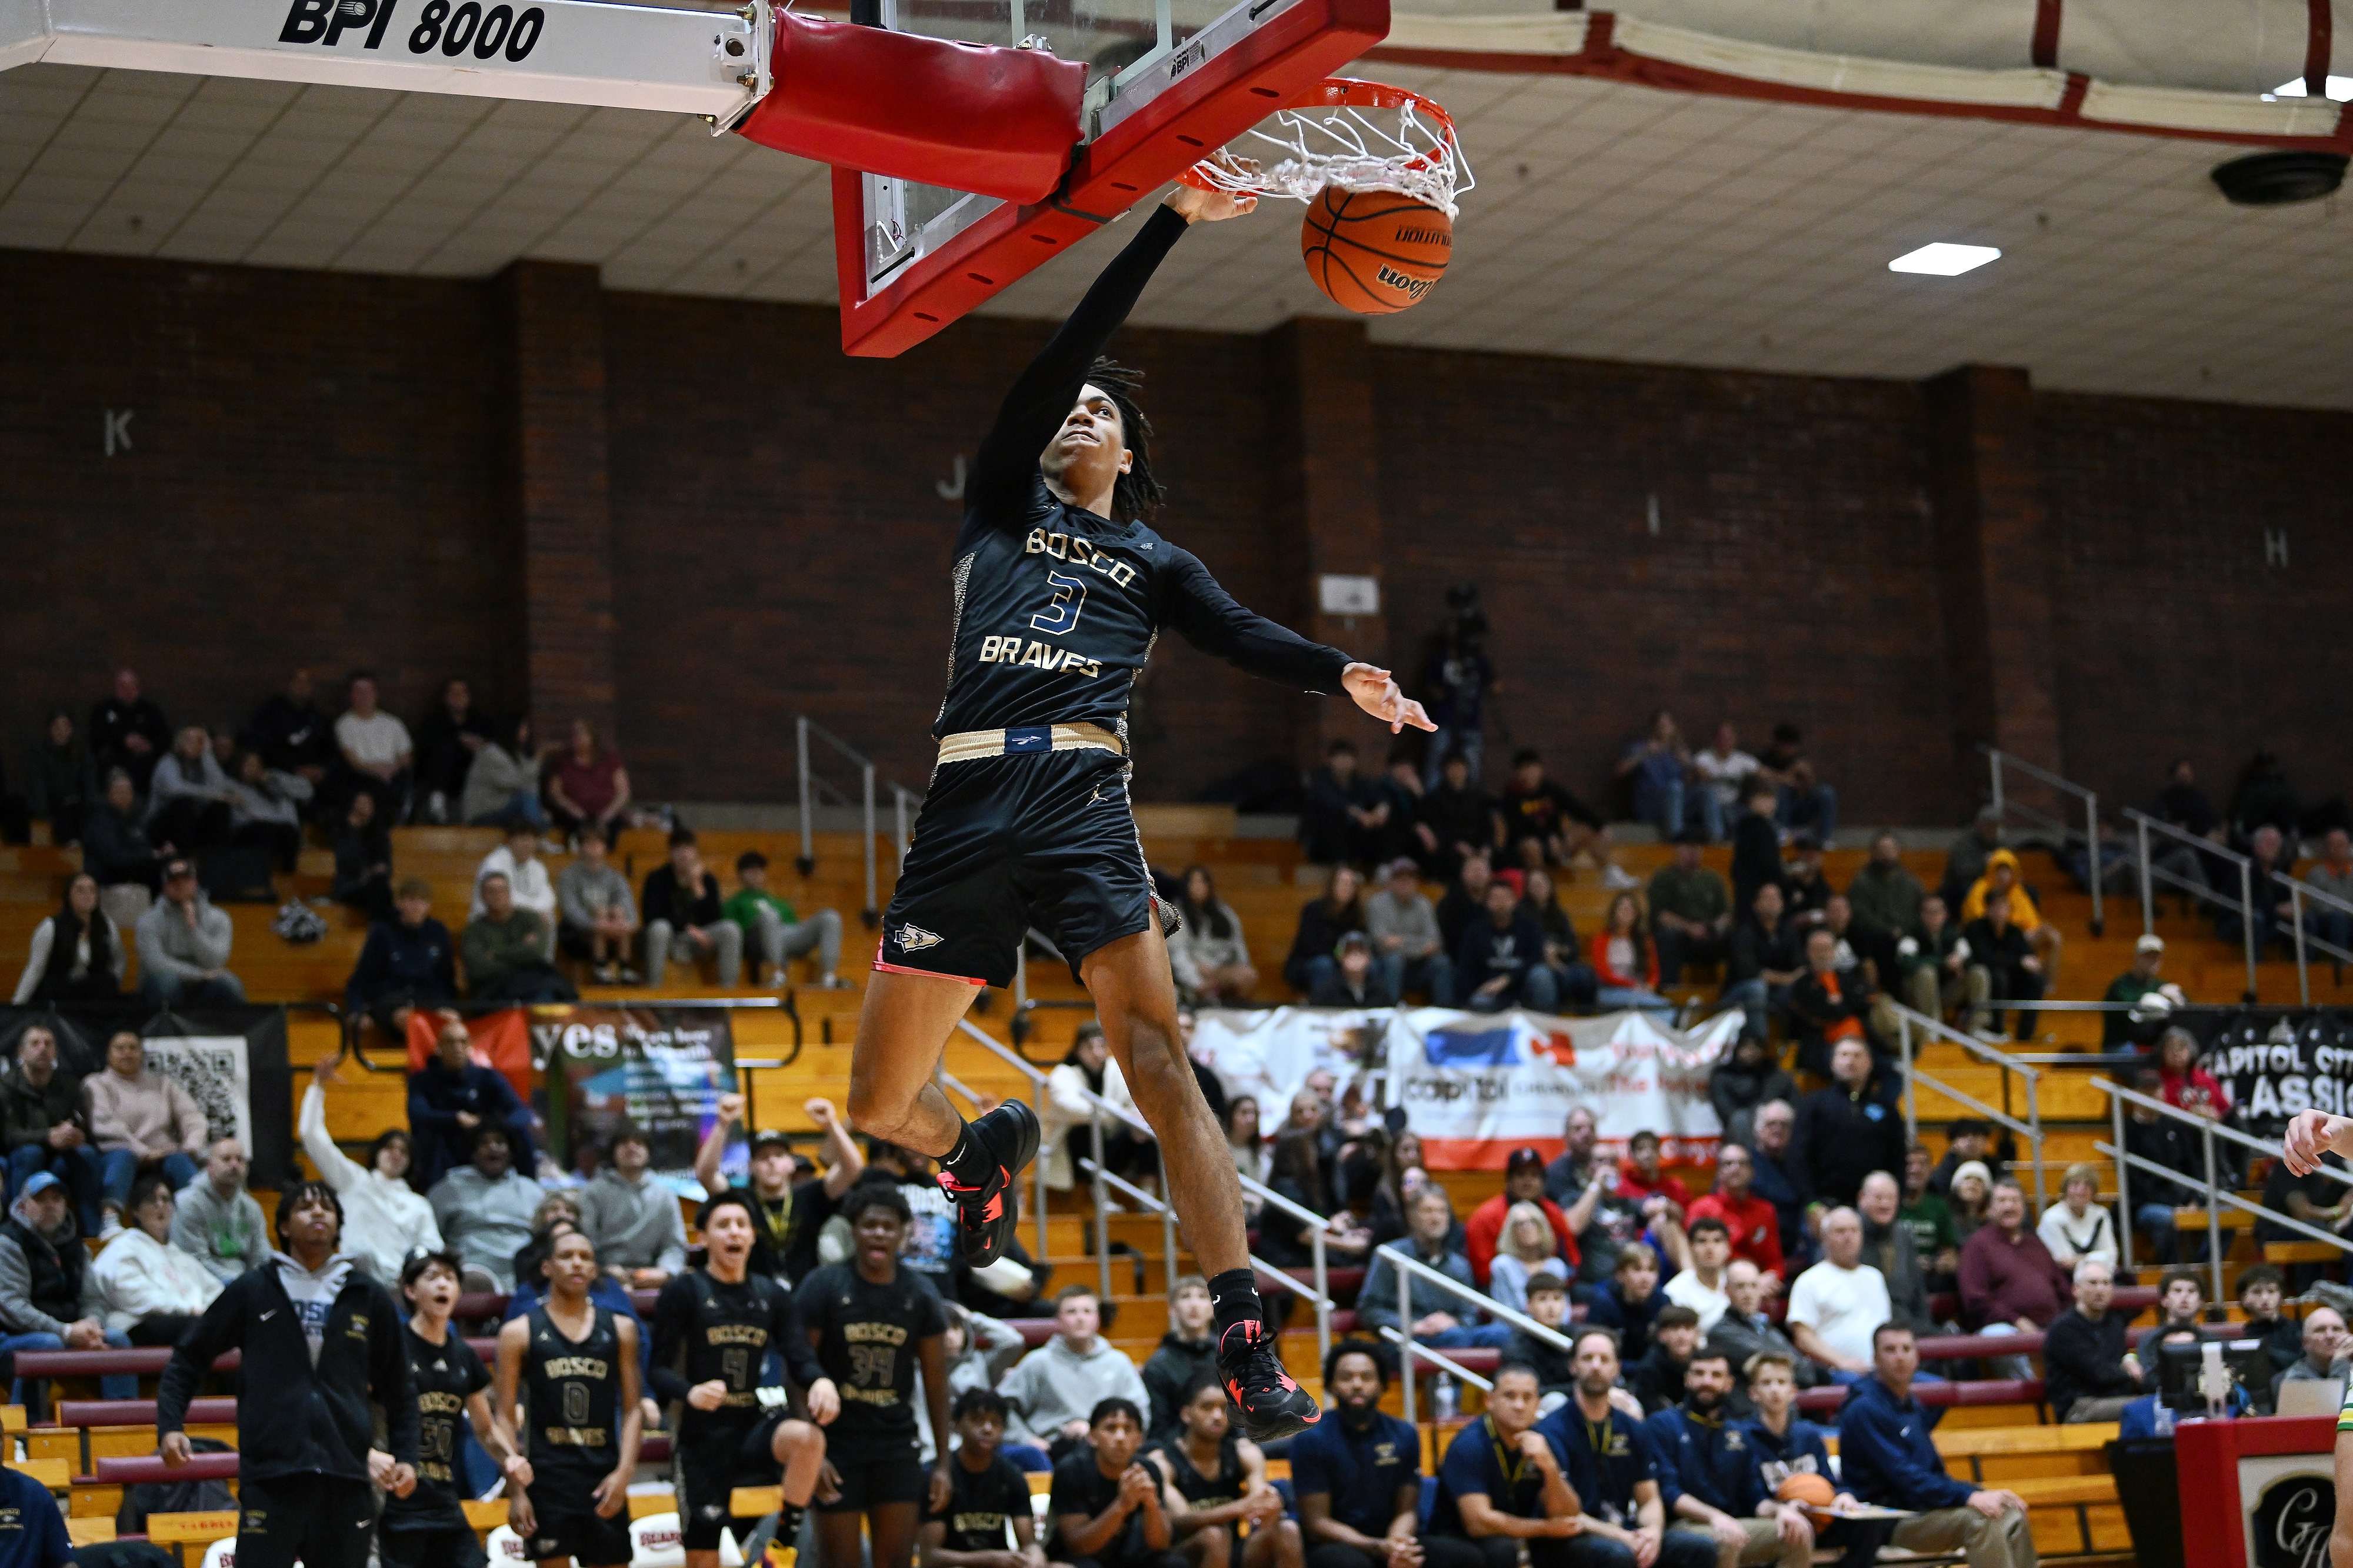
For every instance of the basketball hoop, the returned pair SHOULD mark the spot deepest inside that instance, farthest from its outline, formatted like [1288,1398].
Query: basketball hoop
[1325,138]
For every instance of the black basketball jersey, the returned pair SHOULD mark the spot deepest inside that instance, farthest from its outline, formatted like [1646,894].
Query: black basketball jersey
[981,1503]
[445,1376]
[572,1395]
[707,1329]
[1200,1491]
[1057,609]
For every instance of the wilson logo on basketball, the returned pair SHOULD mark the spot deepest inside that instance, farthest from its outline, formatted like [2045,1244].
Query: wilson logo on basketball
[1438,236]
[1414,288]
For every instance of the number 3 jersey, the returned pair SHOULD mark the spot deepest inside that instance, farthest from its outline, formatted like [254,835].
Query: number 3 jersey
[867,1340]
[710,1331]
[1057,607]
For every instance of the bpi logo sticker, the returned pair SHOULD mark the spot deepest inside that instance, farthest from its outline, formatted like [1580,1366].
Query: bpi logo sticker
[468,27]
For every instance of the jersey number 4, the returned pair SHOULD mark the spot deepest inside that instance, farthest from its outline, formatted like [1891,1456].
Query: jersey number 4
[1062,614]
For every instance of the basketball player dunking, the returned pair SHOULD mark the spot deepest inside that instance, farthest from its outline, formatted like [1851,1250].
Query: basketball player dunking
[576,1365]
[1060,592]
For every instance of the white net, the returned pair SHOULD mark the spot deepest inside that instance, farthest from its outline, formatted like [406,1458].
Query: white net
[1358,135]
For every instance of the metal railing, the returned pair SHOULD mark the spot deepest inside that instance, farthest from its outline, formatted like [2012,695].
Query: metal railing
[2150,870]
[813,787]
[2298,893]
[2217,1196]
[2005,804]
[1908,1022]
[1408,1268]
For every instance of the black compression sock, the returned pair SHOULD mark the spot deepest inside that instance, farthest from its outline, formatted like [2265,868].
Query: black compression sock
[968,1162]
[1233,1296]
[789,1523]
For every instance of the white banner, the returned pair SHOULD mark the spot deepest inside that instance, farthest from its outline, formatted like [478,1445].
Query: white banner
[1475,1086]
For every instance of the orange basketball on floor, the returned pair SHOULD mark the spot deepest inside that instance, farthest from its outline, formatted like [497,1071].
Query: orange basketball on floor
[1375,252]
[1814,1492]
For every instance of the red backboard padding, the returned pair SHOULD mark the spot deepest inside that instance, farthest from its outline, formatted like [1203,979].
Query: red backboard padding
[972,117]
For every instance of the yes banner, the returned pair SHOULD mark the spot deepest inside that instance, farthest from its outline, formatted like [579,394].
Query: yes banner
[1476,1086]
[659,1069]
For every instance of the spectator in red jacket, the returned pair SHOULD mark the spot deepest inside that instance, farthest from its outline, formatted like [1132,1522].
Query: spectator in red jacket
[2010,1282]
[1625,961]
[1754,1228]
[1523,1183]
[2186,1083]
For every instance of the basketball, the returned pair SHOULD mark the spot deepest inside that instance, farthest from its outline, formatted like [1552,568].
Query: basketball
[1375,252]
[1814,1492]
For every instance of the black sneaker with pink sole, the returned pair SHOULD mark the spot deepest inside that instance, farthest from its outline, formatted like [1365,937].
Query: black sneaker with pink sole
[991,1210]
[1272,1405]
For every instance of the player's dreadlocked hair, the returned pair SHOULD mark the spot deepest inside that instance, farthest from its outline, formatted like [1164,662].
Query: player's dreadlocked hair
[1137,494]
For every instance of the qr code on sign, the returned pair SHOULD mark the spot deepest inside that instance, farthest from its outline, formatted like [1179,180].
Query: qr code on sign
[212,1068]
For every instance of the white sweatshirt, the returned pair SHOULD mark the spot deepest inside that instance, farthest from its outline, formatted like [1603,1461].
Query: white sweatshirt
[383,1220]
[138,1277]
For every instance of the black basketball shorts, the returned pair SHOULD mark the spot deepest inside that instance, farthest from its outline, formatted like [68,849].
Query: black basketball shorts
[1005,843]
[711,1465]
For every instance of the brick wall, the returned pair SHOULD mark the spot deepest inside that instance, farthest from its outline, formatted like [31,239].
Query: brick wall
[323,468]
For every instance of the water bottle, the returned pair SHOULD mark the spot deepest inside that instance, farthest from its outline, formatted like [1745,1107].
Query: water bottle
[1444,1397]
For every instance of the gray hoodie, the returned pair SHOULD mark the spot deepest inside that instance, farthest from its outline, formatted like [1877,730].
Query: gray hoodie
[581,889]
[168,946]
[17,1312]
[226,1236]
[1055,1384]
[635,1225]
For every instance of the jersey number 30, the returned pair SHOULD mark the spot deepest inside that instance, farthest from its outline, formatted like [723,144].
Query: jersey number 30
[1062,614]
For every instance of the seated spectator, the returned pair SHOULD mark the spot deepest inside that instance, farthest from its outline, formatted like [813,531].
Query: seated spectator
[509,954]
[1403,835]
[2002,881]
[1322,923]
[1755,850]
[140,1122]
[1724,772]
[1624,963]
[1965,860]
[1805,891]
[1701,1286]
[1933,964]
[1691,911]
[1187,1352]
[1744,1080]
[1967,1140]
[1779,1177]
[1523,1183]
[1458,818]
[1663,789]
[1969,1196]
[127,731]
[362,859]
[1930,1220]
[1345,814]
[1764,961]
[2121,1031]
[1068,1135]
[1887,1456]
[375,751]
[588,787]
[266,808]
[1209,953]
[2006,966]
[1746,1329]
[988,1492]
[1803,800]
[76,956]
[1783,1444]
[2008,1283]
[188,795]
[115,848]
[782,935]
[1752,1226]
[1608,1462]
[2078,1227]
[633,1219]
[293,733]
[1441,1320]
[2184,1083]
[1573,978]
[1105,1504]
[2325,1349]
[1053,1390]
[1500,1484]
[2180,1304]
[1656,1380]
[450,1097]
[502,779]
[2260,1286]
[1548,1303]
[1406,944]
[1354,981]
[1887,1246]
[1708,1473]
[1629,1305]
[151,1292]
[2170,1146]
[1836,1304]
[46,1123]
[1827,1008]
[1884,894]
[1500,962]
[217,1222]
[683,916]
[596,915]
[1214,1482]
[1527,1250]
[2087,1372]
[484,1210]
[1850,1129]
[2332,877]
[385,1218]
[43,1296]
[1545,825]
[61,781]
[1357,1476]
[1662,1198]
[2267,889]
[1464,904]
[517,859]
[407,963]
[1242,1141]
[447,741]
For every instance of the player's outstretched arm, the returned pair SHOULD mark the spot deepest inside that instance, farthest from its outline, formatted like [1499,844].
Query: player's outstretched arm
[2312,1134]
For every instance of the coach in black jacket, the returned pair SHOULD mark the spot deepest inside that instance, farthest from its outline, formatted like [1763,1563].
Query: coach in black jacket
[322,1340]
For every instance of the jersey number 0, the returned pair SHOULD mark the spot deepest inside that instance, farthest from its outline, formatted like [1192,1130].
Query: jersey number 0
[1061,614]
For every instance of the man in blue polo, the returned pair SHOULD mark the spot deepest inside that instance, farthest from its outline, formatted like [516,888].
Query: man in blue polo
[32,1530]
[1886,1457]
[1499,1485]
[1357,1474]
[1707,1471]
[1605,1460]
